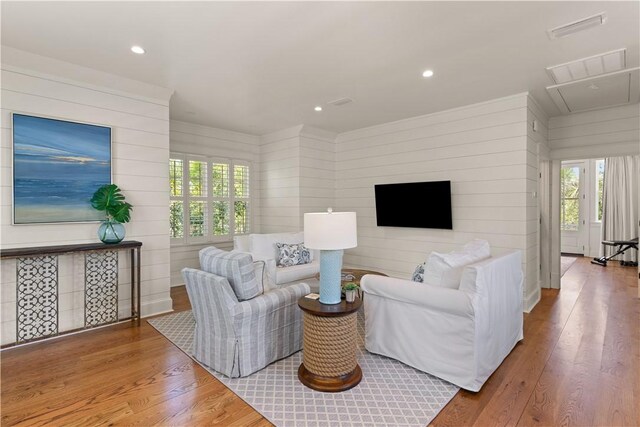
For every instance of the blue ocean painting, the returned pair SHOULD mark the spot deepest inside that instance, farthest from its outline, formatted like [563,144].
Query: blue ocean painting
[57,166]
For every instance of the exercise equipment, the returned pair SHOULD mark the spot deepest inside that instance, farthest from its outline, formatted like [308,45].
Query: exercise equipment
[622,246]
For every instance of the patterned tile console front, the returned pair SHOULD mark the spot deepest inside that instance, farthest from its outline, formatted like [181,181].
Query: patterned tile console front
[37,297]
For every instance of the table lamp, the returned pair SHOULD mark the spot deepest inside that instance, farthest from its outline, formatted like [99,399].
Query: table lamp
[330,232]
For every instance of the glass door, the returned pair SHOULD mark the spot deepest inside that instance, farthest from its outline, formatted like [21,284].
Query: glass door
[572,224]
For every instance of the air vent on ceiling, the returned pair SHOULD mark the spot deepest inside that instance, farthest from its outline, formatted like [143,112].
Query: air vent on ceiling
[606,90]
[592,66]
[576,26]
[340,101]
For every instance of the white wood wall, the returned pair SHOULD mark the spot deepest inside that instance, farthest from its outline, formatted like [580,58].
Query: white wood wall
[200,140]
[538,260]
[297,176]
[596,134]
[279,181]
[317,171]
[140,154]
[481,148]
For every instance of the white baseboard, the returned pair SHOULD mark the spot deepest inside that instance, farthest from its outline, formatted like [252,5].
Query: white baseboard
[531,300]
[151,308]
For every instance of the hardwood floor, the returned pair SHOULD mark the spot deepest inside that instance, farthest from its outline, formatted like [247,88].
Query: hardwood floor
[579,364]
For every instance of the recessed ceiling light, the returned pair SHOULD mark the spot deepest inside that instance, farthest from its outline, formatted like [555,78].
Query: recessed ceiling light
[137,49]
[427,73]
[318,108]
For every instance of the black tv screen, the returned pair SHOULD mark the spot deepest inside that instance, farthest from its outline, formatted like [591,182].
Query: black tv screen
[402,205]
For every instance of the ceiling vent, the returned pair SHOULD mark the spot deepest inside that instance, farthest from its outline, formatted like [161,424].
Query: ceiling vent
[606,90]
[577,26]
[340,101]
[592,66]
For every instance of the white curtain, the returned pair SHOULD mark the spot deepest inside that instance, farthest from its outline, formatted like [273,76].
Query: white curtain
[620,202]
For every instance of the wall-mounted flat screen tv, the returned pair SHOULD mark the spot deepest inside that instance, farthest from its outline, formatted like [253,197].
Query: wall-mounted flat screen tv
[414,204]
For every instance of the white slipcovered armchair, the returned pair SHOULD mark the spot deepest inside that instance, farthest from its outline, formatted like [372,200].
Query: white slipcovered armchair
[460,335]
[239,329]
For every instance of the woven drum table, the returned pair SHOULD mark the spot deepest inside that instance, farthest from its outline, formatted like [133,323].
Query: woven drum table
[329,348]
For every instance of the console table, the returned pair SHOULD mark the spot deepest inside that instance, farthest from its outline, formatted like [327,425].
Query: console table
[329,360]
[37,314]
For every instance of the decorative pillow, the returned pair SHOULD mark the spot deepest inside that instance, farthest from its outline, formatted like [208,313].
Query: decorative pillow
[236,267]
[446,269]
[478,248]
[263,246]
[292,254]
[265,281]
[443,270]
[418,273]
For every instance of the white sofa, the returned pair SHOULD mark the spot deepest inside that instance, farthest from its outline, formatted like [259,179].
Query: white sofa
[460,335]
[262,247]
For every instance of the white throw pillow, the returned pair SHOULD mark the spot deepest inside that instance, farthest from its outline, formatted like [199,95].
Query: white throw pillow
[263,246]
[446,269]
[478,247]
[265,281]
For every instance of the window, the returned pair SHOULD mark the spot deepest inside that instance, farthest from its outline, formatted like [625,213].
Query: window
[241,202]
[176,210]
[599,188]
[570,198]
[210,199]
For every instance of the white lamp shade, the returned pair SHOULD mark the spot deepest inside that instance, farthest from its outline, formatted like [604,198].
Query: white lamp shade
[330,230]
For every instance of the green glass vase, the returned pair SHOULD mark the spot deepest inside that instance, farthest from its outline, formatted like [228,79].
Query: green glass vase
[111,231]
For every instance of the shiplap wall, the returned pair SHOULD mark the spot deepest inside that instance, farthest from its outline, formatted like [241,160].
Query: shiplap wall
[200,140]
[297,176]
[592,134]
[140,134]
[537,151]
[317,171]
[481,148]
[279,181]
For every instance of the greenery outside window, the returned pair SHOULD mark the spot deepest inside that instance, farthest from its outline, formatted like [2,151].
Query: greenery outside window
[210,199]
[570,198]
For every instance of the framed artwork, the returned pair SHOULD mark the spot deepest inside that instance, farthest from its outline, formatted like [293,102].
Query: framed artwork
[57,166]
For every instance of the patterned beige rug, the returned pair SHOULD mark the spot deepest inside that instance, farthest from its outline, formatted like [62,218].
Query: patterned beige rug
[565,263]
[390,393]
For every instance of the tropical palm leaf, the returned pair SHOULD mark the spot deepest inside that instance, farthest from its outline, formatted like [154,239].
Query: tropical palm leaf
[106,196]
[110,199]
[121,212]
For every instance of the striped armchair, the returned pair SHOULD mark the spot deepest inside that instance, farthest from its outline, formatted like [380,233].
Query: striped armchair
[238,338]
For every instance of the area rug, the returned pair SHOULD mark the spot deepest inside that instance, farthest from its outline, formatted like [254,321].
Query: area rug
[565,263]
[390,393]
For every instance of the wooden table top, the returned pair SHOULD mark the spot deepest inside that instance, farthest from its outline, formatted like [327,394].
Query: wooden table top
[315,307]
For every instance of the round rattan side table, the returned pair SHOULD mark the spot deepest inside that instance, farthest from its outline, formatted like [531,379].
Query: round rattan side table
[329,360]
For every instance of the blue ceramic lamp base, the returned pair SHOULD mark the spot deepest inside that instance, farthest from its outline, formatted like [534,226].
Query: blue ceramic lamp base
[330,283]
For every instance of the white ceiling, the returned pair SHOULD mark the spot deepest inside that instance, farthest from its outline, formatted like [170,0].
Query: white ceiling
[260,67]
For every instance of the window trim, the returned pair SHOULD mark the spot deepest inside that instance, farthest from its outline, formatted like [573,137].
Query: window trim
[186,198]
[595,192]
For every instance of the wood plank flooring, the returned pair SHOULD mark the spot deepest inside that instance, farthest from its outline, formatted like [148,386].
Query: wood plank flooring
[579,364]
